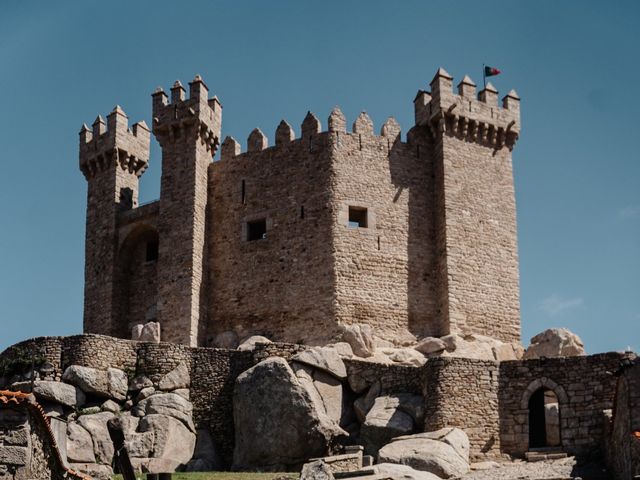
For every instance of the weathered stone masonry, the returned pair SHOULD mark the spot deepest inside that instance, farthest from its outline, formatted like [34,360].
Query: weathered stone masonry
[416,238]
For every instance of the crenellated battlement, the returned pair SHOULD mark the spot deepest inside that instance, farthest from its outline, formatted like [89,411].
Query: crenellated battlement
[467,116]
[112,143]
[310,128]
[182,118]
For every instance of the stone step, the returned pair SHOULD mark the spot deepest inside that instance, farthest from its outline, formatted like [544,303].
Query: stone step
[539,456]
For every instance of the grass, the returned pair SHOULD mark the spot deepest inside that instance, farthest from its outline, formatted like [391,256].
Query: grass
[226,476]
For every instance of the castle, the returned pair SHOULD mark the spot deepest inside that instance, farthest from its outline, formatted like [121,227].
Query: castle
[294,240]
[303,242]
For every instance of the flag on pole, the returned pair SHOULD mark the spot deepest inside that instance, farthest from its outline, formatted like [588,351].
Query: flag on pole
[491,71]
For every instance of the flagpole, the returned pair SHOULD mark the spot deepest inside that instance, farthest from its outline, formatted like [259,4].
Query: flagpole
[484,76]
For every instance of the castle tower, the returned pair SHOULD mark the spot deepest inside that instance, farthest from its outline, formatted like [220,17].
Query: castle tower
[112,158]
[188,131]
[476,239]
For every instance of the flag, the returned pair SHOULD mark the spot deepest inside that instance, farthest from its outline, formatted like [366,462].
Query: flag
[490,71]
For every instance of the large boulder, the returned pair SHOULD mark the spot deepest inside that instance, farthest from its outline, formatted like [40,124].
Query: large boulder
[278,421]
[250,343]
[205,457]
[51,391]
[394,471]
[444,453]
[325,389]
[170,404]
[173,442]
[96,425]
[177,378]
[110,383]
[323,358]
[555,342]
[384,421]
[360,337]
[316,470]
[79,444]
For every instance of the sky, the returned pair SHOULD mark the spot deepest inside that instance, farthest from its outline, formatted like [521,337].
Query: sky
[576,165]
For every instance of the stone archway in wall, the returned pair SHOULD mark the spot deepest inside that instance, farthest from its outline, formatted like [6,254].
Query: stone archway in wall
[137,286]
[543,400]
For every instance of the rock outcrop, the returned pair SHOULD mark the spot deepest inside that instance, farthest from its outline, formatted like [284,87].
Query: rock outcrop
[444,453]
[555,342]
[278,422]
[110,383]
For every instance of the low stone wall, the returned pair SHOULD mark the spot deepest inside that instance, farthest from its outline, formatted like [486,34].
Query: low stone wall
[463,393]
[584,387]
[393,378]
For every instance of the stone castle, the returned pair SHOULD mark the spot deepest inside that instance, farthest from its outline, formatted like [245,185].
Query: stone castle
[295,240]
[339,293]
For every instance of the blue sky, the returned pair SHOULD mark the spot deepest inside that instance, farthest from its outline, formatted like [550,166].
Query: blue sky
[577,167]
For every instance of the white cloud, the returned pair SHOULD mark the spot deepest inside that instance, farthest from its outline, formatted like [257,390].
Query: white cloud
[629,212]
[555,304]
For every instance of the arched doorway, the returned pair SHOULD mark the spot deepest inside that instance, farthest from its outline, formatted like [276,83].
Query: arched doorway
[544,419]
[137,281]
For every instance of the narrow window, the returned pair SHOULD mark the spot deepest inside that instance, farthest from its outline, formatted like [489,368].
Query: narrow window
[243,192]
[257,229]
[302,212]
[357,217]
[152,251]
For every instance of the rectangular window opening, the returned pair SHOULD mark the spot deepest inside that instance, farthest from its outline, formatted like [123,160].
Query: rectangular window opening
[257,229]
[357,217]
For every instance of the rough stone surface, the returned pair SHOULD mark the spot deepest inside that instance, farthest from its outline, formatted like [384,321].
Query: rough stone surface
[173,441]
[395,471]
[79,444]
[205,456]
[360,338]
[112,383]
[58,392]
[177,378]
[316,470]
[150,332]
[250,343]
[384,421]
[170,404]
[323,358]
[426,454]
[263,396]
[430,345]
[96,425]
[555,342]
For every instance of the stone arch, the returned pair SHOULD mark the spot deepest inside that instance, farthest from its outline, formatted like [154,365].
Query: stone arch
[539,383]
[137,288]
[544,402]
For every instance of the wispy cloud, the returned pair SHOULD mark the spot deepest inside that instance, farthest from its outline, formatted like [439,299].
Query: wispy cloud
[556,304]
[629,212]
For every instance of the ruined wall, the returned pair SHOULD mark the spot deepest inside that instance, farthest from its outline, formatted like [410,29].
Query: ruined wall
[623,444]
[584,387]
[384,271]
[281,286]
[463,393]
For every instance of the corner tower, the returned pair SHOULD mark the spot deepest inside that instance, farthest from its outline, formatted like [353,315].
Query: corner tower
[476,238]
[188,131]
[112,158]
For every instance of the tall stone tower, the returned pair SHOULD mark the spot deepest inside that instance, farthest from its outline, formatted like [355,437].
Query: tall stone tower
[188,131]
[112,158]
[476,236]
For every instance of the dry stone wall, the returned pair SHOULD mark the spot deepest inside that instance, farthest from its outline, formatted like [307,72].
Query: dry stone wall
[463,393]
[584,387]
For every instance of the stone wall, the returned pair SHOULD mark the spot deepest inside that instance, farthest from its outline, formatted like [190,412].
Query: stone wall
[463,393]
[584,387]
[384,270]
[281,286]
[623,442]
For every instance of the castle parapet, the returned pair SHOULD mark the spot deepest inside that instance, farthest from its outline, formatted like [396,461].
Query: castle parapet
[113,143]
[465,116]
[198,115]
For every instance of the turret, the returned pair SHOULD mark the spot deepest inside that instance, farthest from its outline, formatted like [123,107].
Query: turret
[112,158]
[188,130]
[475,206]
